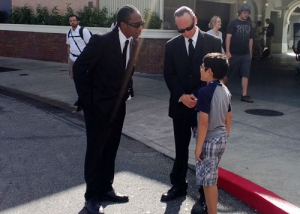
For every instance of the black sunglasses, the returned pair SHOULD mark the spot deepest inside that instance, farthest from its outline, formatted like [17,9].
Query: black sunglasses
[137,24]
[186,29]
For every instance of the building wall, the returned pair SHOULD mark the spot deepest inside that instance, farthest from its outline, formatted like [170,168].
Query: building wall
[114,5]
[52,47]
[5,5]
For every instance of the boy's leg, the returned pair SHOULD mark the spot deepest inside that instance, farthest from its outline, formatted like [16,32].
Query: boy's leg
[211,196]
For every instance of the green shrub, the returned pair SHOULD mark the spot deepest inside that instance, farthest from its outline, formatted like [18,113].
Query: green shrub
[65,18]
[93,17]
[152,20]
[111,19]
[21,15]
[90,17]
[54,17]
[41,16]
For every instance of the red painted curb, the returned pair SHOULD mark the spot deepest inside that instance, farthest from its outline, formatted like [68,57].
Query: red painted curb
[257,197]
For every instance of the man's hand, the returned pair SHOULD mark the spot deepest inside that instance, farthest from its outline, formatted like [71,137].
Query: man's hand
[189,100]
[228,54]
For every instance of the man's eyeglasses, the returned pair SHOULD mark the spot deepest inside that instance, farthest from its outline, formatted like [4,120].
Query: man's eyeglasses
[136,24]
[186,29]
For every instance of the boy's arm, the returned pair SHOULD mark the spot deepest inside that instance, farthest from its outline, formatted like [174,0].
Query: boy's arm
[228,122]
[202,130]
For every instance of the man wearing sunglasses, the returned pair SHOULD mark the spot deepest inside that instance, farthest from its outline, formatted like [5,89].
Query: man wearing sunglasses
[102,73]
[183,57]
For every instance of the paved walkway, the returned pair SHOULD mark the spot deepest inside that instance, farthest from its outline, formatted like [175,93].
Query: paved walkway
[262,149]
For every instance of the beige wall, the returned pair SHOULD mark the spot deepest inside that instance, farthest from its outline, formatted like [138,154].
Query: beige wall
[113,5]
[61,4]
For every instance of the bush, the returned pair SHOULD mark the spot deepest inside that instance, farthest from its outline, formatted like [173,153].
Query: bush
[65,18]
[90,17]
[54,17]
[41,16]
[93,17]
[21,15]
[152,20]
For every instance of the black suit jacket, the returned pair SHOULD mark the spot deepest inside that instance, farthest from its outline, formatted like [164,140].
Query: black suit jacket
[181,77]
[99,71]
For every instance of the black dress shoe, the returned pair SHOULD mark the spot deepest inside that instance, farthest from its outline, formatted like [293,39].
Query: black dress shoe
[93,207]
[114,197]
[199,208]
[172,194]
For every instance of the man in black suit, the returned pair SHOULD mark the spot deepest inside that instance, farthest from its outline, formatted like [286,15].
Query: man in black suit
[101,80]
[183,57]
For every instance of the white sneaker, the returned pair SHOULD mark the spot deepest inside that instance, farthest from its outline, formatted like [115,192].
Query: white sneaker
[129,97]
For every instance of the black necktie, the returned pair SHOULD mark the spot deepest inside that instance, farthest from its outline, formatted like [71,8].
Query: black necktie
[124,53]
[191,50]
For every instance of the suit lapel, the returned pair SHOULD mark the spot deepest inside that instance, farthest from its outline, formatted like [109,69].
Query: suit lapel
[199,47]
[117,47]
[182,49]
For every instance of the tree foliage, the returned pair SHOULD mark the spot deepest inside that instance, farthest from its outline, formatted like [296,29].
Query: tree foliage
[91,17]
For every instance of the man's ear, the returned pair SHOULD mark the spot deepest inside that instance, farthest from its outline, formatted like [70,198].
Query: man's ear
[123,25]
[196,20]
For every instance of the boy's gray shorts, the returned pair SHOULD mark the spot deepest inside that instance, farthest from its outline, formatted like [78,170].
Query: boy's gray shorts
[207,169]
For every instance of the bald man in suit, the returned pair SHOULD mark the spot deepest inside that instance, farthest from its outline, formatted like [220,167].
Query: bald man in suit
[183,57]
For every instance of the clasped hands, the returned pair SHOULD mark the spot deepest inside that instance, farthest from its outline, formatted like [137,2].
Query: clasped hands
[189,100]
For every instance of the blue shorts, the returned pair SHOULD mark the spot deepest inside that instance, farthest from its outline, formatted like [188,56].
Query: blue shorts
[241,64]
[207,169]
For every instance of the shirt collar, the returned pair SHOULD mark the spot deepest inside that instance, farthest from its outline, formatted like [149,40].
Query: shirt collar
[194,38]
[77,28]
[123,38]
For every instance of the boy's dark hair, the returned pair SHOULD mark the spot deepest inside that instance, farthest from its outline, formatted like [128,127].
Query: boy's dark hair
[218,63]
[124,13]
[184,9]
[258,23]
[73,15]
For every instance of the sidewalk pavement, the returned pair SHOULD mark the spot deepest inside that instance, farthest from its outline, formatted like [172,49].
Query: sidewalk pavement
[261,163]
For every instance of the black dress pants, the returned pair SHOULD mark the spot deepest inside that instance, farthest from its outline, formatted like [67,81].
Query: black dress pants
[182,135]
[99,167]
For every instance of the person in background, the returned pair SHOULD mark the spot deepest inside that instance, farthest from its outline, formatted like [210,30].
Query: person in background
[269,36]
[183,57]
[239,43]
[257,40]
[77,38]
[166,25]
[215,25]
[75,42]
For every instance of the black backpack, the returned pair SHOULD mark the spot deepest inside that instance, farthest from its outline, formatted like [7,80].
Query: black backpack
[80,33]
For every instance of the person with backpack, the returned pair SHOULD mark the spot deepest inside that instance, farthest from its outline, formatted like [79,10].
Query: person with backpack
[77,38]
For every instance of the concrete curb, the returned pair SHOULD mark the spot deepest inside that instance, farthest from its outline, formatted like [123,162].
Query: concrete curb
[257,197]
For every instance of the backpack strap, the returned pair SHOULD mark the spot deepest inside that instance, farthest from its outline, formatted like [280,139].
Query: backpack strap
[81,32]
[69,33]
[75,42]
